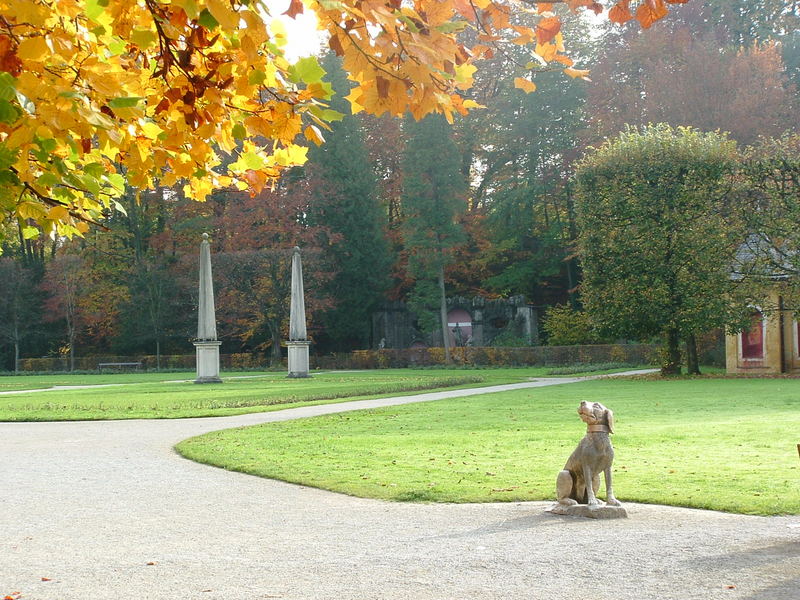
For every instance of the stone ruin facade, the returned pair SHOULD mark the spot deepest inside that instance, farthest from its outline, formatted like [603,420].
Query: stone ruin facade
[471,322]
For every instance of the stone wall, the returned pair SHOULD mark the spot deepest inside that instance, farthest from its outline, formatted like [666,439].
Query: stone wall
[395,326]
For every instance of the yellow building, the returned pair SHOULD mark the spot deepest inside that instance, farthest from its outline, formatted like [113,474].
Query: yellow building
[769,345]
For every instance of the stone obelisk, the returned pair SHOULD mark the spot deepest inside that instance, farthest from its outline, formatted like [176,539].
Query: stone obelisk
[298,338]
[207,344]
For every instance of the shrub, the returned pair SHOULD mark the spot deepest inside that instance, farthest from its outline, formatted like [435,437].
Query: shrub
[567,327]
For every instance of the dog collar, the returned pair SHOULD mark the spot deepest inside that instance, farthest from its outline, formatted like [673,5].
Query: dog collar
[597,427]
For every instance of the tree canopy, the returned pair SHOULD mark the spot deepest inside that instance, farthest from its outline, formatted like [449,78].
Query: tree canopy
[658,235]
[96,95]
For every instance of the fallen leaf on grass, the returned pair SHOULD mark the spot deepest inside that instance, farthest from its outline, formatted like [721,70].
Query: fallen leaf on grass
[509,489]
[46,579]
[731,587]
[151,564]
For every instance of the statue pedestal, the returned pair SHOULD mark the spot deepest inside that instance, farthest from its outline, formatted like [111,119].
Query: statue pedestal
[597,511]
[298,358]
[207,362]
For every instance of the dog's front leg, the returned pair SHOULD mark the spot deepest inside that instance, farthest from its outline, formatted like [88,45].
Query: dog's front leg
[610,498]
[587,477]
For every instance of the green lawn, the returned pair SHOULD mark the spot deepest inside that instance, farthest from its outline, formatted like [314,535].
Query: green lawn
[724,444]
[173,395]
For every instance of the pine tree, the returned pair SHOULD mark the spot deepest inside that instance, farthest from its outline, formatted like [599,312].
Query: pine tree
[344,201]
[433,196]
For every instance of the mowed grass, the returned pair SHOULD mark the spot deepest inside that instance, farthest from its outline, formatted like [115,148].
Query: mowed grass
[32,382]
[723,444]
[174,395]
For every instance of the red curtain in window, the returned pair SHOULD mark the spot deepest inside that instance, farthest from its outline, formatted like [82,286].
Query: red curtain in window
[753,338]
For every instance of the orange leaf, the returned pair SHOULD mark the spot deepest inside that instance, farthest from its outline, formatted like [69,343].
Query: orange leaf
[547,29]
[526,85]
[564,60]
[545,7]
[575,73]
[620,12]
[383,87]
[295,8]
[651,11]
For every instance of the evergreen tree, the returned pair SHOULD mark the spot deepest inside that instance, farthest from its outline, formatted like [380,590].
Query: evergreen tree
[433,196]
[344,201]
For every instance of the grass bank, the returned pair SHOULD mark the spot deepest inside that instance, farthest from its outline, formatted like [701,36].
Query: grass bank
[726,444]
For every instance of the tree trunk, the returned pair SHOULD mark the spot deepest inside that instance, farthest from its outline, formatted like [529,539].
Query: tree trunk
[16,356]
[692,364]
[158,354]
[275,359]
[71,353]
[443,316]
[672,362]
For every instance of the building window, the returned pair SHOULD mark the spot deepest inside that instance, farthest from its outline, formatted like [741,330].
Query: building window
[753,338]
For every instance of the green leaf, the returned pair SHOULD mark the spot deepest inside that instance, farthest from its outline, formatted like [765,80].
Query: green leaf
[452,27]
[239,132]
[30,233]
[94,170]
[144,38]
[117,181]
[328,114]
[48,180]
[8,86]
[124,102]
[95,8]
[252,161]
[207,20]
[7,157]
[117,47]
[306,70]
[91,184]
[8,112]
[47,145]
[256,77]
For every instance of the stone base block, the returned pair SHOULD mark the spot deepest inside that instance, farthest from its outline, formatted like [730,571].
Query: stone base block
[298,359]
[597,511]
[208,361]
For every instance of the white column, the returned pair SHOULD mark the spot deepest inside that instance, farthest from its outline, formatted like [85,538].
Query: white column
[298,338]
[207,346]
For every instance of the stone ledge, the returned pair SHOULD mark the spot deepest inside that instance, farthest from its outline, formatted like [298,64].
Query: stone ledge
[598,511]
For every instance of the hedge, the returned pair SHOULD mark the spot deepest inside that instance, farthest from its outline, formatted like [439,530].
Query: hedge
[640,354]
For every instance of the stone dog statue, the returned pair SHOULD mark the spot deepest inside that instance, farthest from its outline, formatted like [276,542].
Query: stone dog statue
[579,481]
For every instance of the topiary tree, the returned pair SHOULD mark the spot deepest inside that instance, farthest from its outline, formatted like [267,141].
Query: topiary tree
[658,233]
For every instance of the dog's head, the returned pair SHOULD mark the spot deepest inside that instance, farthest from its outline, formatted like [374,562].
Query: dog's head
[594,413]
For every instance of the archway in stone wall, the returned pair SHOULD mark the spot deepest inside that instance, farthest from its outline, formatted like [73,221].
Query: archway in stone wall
[459,324]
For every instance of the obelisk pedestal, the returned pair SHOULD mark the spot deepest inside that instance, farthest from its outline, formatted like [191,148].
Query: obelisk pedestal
[298,338]
[207,345]
[207,362]
[298,359]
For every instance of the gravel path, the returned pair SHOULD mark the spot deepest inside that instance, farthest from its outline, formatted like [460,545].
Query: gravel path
[107,510]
